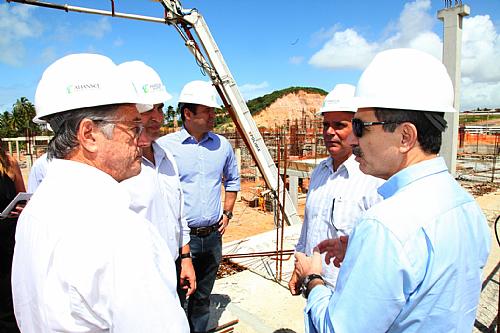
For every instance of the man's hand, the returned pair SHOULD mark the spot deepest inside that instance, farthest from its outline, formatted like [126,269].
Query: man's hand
[188,276]
[223,224]
[307,265]
[335,249]
[294,284]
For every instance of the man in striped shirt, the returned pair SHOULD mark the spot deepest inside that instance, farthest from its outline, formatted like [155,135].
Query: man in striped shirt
[339,192]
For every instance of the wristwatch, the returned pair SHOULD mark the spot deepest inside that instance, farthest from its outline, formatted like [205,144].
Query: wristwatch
[306,281]
[228,213]
[186,255]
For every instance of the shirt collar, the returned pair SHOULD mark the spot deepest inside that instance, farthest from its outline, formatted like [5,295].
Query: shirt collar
[159,154]
[350,165]
[184,135]
[411,174]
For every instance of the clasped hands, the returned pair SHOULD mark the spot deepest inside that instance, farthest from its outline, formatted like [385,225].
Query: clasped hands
[335,250]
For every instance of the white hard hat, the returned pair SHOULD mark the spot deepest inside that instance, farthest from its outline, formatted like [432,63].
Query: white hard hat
[341,98]
[406,79]
[81,80]
[199,92]
[146,82]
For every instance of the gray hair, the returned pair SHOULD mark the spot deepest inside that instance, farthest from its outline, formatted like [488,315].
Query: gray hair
[65,125]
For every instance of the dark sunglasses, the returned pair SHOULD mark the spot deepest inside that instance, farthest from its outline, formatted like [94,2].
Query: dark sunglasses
[358,125]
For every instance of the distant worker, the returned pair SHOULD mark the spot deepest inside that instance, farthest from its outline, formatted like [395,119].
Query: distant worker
[83,261]
[414,261]
[156,192]
[205,160]
[339,192]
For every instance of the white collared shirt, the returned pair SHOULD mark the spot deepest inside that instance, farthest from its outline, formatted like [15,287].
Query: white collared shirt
[353,192]
[157,196]
[84,262]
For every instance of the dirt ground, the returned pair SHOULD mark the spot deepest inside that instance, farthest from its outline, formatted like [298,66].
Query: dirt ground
[248,221]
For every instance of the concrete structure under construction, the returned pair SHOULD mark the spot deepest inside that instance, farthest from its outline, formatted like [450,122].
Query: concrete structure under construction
[452,50]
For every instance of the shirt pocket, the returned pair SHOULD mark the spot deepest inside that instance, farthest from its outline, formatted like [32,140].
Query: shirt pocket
[346,214]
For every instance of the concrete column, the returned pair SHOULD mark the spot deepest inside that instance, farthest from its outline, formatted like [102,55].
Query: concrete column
[17,151]
[10,148]
[452,54]
[294,190]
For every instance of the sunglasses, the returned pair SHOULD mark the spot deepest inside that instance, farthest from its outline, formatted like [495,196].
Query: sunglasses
[358,125]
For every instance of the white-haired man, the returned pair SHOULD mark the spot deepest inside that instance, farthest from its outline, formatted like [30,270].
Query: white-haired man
[83,261]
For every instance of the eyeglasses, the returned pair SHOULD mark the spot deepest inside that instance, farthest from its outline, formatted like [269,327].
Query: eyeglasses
[358,126]
[137,126]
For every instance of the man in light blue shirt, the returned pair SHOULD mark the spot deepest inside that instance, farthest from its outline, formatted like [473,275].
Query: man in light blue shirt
[205,160]
[414,261]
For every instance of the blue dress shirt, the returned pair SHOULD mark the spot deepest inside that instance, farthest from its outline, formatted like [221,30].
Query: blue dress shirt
[202,168]
[413,263]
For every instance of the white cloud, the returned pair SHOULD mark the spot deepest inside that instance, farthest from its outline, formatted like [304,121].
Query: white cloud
[253,90]
[346,49]
[480,50]
[97,28]
[349,49]
[16,24]
[479,94]
[296,60]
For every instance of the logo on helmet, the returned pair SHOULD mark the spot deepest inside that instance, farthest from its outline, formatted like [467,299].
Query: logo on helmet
[74,88]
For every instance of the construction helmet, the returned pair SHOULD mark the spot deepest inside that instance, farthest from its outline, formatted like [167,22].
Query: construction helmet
[341,98]
[199,92]
[405,79]
[81,80]
[147,83]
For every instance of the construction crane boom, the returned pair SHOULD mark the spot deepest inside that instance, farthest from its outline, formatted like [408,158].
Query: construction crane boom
[210,59]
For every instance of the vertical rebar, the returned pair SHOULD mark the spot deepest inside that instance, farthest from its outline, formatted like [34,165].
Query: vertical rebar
[285,147]
[495,153]
[277,207]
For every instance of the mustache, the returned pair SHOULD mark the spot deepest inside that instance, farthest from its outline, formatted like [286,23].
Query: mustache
[356,151]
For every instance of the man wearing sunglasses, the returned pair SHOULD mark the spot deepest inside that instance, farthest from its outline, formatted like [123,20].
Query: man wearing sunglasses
[414,261]
[83,261]
[339,192]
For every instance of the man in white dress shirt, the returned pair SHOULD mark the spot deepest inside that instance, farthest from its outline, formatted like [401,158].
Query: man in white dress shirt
[339,192]
[156,192]
[83,261]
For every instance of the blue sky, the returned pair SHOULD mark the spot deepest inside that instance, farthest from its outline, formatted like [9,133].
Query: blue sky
[268,45]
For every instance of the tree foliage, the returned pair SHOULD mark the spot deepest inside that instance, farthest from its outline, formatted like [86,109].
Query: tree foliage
[19,121]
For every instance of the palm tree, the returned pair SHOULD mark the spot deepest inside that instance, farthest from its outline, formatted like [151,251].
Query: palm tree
[7,127]
[23,111]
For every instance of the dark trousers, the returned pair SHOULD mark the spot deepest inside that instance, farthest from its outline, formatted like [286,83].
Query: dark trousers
[207,255]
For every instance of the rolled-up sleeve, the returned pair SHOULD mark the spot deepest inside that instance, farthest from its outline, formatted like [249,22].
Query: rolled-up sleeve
[230,172]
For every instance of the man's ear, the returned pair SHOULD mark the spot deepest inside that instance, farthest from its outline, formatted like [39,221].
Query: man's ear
[187,113]
[86,135]
[409,137]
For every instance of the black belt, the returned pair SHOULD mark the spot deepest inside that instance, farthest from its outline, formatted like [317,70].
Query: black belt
[204,231]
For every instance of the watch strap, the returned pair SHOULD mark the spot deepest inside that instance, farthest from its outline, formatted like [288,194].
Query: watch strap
[305,283]
[185,255]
